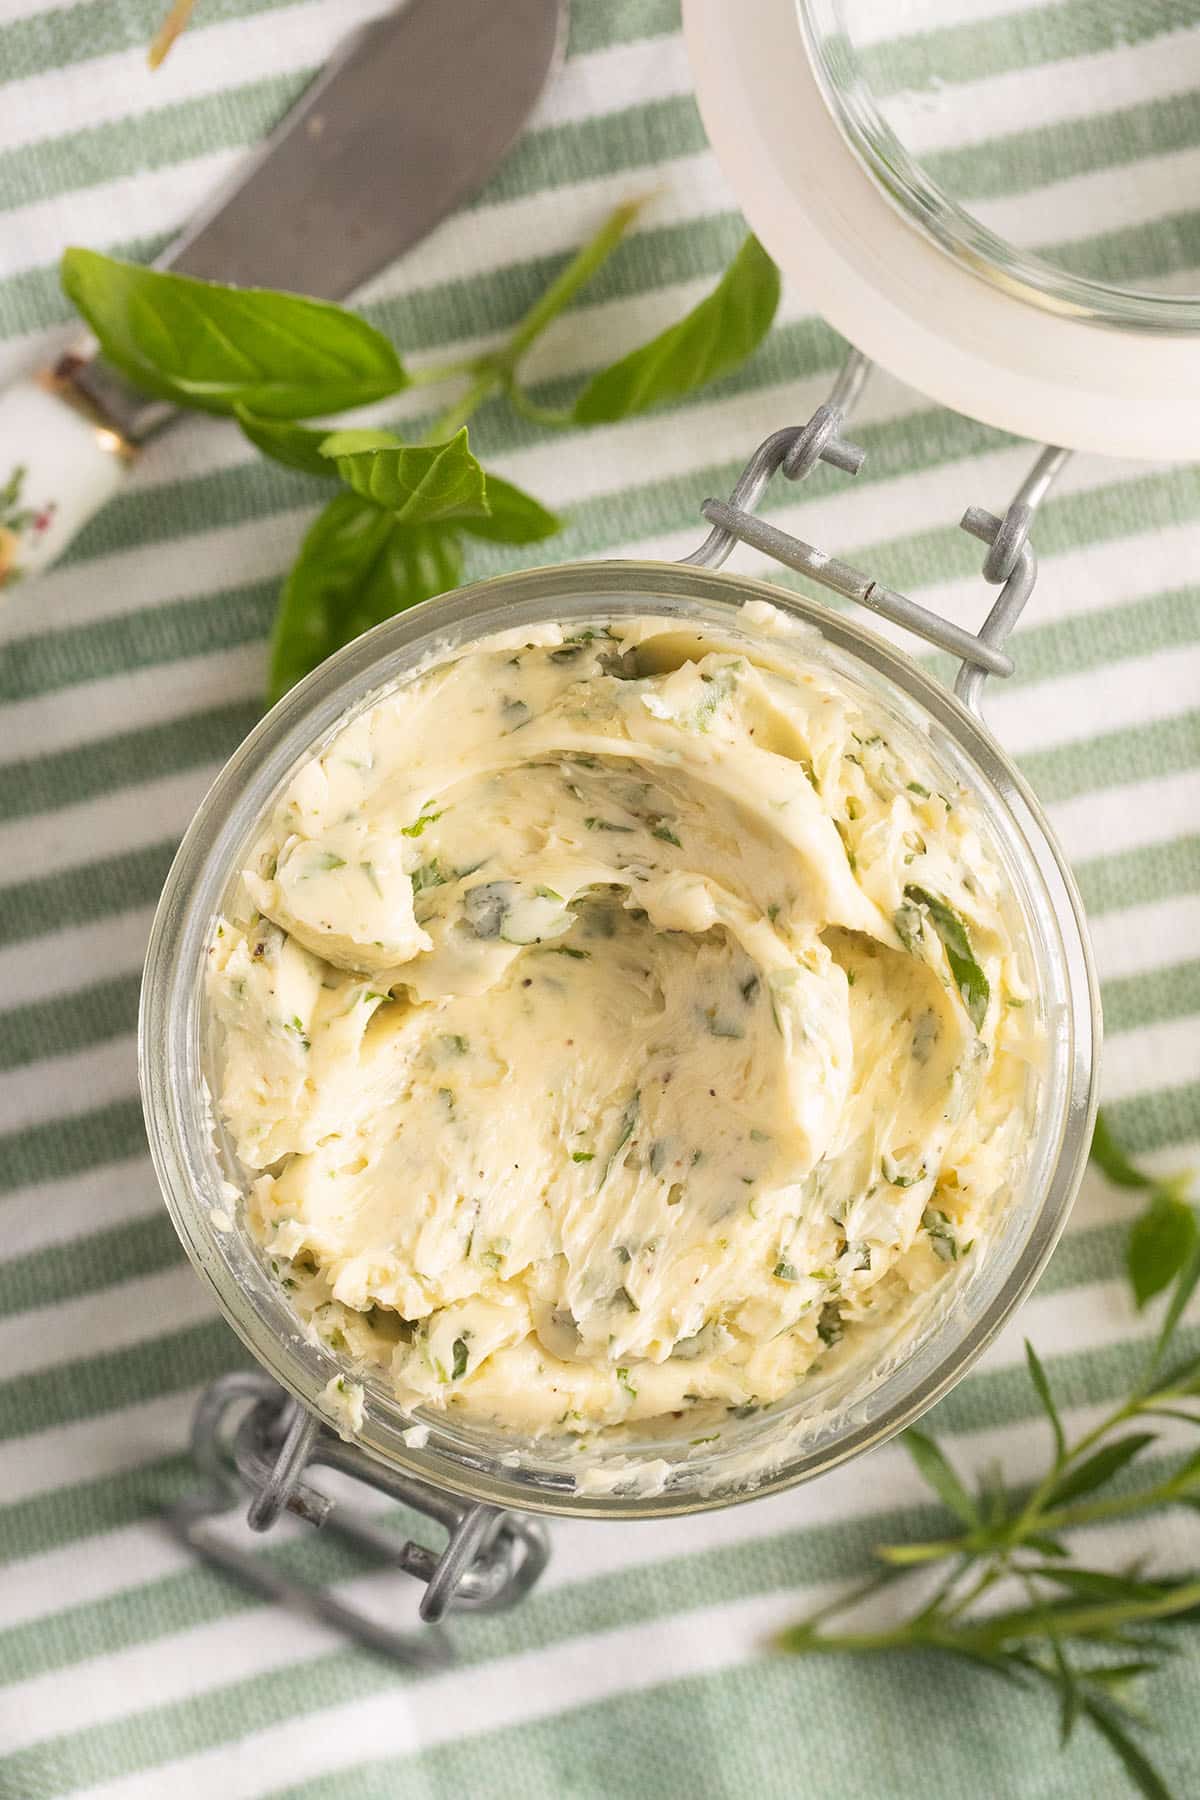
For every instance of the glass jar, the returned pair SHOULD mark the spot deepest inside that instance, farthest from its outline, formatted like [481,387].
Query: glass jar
[825,1422]
[1116,256]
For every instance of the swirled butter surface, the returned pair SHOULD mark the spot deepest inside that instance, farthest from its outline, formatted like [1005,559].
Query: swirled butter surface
[617,1021]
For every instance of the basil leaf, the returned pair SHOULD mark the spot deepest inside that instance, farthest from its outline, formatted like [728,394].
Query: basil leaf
[714,337]
[296,446]
[1112,1161]
[516,517]
[356,566]
[1099,1468]
[212,348]
[971,980]
[941,1476]
[1160,1243]
[417,483]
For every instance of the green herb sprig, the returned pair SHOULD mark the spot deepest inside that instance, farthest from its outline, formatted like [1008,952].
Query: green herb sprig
[394,535]
[1089,1637]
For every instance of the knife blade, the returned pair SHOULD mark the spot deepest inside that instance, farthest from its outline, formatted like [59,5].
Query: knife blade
[408,119]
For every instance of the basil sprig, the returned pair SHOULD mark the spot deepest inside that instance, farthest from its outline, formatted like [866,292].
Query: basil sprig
[395,536]
[214,348]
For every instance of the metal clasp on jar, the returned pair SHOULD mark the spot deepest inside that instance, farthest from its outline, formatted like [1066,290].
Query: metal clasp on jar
[795,451]
[490,1561]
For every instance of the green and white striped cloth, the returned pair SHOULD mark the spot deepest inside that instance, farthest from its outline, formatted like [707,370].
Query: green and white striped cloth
[129,673]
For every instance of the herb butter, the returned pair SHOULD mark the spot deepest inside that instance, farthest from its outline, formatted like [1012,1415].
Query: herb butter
[617,1022]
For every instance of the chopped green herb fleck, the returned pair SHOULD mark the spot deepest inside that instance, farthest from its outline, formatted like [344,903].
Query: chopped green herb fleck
[547,893]
[460,1359]
[329,859]
[295,1026]
[667,835]
[898,1177]
[417,827]
[623,1378]
[594,824]
[582,1156]
[971,980]
[569,950]
[941,1234]
[914,787]
[429,875]
[829,1325]
[785,1271]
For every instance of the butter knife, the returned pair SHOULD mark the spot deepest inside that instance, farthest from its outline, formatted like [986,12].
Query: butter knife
[409,118]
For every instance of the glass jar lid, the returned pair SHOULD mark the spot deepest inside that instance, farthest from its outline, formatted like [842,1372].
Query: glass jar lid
[995,204]
[1055,148]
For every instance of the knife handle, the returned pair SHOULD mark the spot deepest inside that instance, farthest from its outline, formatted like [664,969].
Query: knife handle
[59,464]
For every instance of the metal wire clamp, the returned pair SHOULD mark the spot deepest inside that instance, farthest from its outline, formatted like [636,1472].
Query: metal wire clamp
[1010,563]
[491,1558]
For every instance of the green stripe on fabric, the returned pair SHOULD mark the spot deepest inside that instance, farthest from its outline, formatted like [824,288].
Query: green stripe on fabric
[1022,161]
[45,662]
[1112,634]
[57,1516]
[119,148]
[67,1146]
[1136,753]
[979,48]
[1152,997]
[61,36]
[75,896]
[1135,877]
[619,21]
[62,1023]
[87,1265]
[65,777]
[68,1392]
[1147,1122]
[1166,246]
[1087,1254]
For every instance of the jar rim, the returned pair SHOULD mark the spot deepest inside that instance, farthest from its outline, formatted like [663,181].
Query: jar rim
[181,1128]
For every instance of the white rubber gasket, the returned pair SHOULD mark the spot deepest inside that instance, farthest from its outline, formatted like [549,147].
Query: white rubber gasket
[905,303]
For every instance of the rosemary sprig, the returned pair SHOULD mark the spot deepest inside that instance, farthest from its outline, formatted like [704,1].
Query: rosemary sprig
[1015,1599]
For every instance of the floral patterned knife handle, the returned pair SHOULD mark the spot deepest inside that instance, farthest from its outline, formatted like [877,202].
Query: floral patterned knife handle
[60,465]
